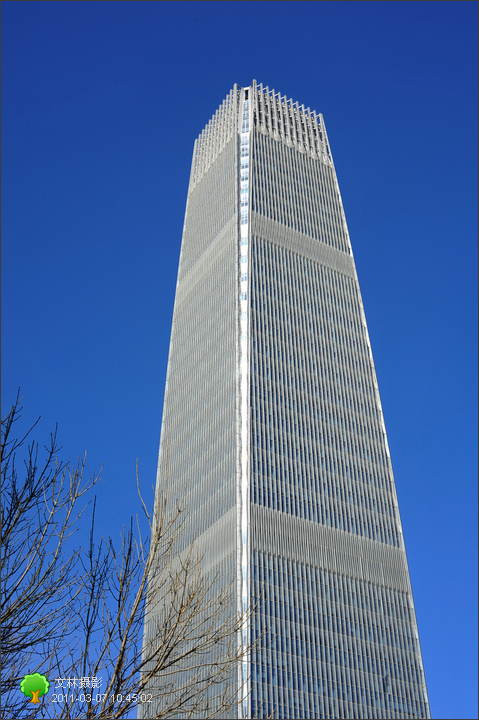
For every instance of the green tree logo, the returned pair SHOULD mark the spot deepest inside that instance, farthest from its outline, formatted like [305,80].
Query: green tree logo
[34,686]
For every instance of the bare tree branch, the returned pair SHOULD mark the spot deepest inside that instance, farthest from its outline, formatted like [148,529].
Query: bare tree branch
[39,584]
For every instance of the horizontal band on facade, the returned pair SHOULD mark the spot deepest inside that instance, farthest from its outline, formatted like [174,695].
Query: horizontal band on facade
[323,546]
[307,542]
[203,264]
[307,247]
[275,233]
[217,542]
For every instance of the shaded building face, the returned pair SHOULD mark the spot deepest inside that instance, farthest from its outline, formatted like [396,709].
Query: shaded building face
[275,425]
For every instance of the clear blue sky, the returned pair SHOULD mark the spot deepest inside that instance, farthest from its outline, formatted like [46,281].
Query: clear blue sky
[101,104]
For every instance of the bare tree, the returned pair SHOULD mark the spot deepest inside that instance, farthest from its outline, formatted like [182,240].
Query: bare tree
[39,585]
[88,633]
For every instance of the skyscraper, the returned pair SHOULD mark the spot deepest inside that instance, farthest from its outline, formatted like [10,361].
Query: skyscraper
[275,425]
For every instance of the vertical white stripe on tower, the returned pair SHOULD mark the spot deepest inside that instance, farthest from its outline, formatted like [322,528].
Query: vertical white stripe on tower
[244,329]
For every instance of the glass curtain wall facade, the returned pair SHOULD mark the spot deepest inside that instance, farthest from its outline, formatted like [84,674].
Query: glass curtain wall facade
[274,421]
